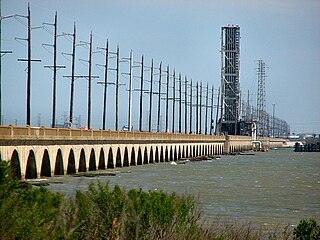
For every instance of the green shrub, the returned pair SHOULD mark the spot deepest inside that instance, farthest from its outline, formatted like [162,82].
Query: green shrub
[106,213]
[307,230]
[26,213]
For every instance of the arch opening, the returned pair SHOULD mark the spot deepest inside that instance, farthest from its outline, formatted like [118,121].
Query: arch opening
[45,165]
[183,152]
[151,156]
[31,170]
[15,169]
[118,158]
[187,155]
[82,162]
[102,163]
[166,155]
[175,156]
[126,158]
[156,158]
[92,161]
[58,168]
[139,161]
[133,157]
[145,156]
[161,154]
[71,163]
[171,154]
[110,159]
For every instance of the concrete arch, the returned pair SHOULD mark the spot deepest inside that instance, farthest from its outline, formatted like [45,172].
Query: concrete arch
[58,168]
[139,159]
[179,152]
[92,161]
[45,165]
[156,158]
[133,157]
[151,156]
[110,163]
[102,162]
[15,168]
[126,158]
[31,169]
[82,162]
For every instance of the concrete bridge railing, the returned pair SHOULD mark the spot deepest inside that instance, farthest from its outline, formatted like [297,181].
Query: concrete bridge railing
[42,133]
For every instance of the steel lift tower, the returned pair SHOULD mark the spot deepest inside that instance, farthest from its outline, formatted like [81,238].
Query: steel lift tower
[230,80]
[262,117]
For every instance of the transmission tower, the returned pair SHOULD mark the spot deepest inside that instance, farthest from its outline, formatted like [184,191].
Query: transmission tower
[230,79]
[261,99]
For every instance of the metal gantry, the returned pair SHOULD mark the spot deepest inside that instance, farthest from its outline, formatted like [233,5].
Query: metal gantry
[262,118]
[230,79]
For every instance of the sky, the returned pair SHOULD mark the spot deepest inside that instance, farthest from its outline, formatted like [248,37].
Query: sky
[184,34]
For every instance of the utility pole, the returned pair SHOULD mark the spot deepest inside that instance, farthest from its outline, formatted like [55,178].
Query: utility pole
[191,105]
[29,68]
[248,107]
[197,109]
[218,105]
[89,77]
[29,60]
[2,53]
[105,85]
[159,99]
[212,108]
[117,88]
[151,96]
[54,67]
[206,120]
[273,118]
[89,82]
[180,98]
[185,105]
[174,99]
[116,83]
[141,94]
[72,73]
[167,100]
[200,105]
[130,92]
[72,77]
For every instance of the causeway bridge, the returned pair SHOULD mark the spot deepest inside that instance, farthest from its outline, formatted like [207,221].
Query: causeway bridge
[45,152]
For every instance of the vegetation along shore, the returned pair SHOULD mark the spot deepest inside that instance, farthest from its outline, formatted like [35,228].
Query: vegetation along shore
[105,213]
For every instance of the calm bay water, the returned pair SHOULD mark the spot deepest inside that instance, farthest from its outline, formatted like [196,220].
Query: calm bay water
[269,188]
